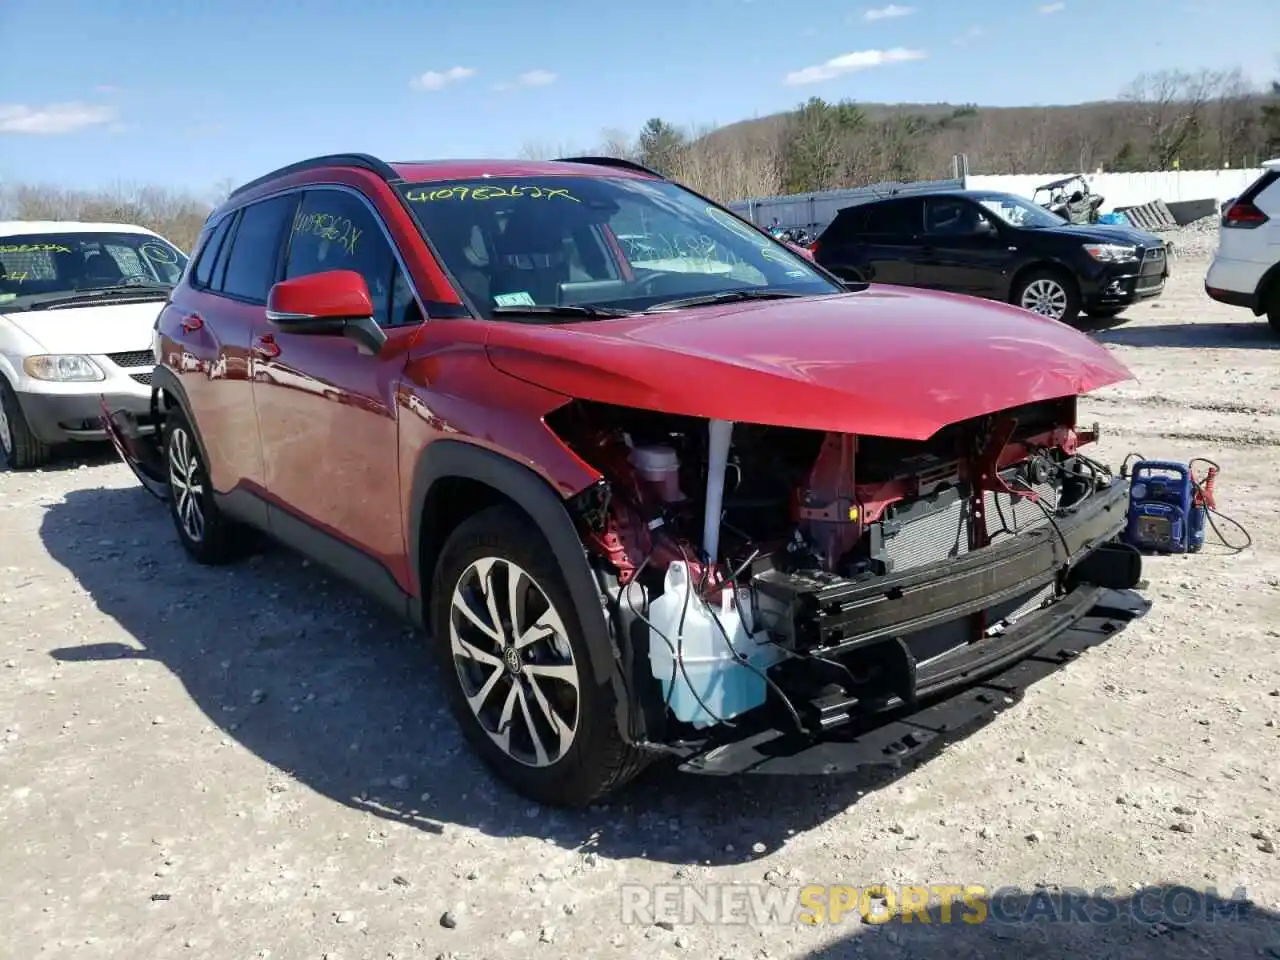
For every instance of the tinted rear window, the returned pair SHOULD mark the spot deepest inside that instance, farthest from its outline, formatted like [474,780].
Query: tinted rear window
[255,249]
[895,218]
[204,266]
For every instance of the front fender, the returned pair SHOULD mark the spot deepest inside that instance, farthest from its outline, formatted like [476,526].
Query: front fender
[446,459]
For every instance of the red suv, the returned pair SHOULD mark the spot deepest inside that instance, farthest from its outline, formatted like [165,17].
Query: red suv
[655,485]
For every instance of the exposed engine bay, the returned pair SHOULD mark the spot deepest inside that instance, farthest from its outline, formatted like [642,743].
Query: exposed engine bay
[766,575]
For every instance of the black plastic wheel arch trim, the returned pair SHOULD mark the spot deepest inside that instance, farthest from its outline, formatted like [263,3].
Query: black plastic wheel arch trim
[450,459]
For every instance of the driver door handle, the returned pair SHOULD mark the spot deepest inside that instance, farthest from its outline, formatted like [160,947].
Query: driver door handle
[266,347]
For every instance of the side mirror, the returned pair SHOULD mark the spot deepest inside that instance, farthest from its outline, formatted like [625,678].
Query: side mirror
[335,302]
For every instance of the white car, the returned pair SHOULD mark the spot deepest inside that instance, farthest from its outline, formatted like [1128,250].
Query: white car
[1246,267]
[78,305]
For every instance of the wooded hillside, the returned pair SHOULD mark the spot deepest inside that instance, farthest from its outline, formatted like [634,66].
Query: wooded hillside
[1169,120]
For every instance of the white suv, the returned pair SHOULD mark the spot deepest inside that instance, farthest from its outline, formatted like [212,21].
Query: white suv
[1246,267]
[78,304]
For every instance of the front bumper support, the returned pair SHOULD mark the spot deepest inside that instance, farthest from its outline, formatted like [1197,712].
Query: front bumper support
[831,616]
[138,441]
[897,736]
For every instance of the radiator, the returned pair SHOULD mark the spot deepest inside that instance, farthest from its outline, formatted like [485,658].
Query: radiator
[944,533]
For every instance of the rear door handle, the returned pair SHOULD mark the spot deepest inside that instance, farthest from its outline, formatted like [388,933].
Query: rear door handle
[266,347]
[192,322]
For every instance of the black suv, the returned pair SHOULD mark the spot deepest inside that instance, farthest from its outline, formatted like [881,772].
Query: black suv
[995,245]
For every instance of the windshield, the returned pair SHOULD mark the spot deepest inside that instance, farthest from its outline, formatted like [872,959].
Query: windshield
[40,267]
[1018,212]
[600,243]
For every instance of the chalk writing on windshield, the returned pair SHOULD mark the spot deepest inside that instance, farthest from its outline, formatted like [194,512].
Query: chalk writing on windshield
[775,255]
[34,248]
[16,277]
[489,192]
[733,223]
[158,254]
[328,226]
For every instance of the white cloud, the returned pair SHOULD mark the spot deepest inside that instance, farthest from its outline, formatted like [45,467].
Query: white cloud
[54,118]
[533,78]
[851,62]
[437,80]
[1053,8]
[970,35]
[536,78]
[888,13]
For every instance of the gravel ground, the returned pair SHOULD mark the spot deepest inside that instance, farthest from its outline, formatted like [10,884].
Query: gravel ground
[254,762]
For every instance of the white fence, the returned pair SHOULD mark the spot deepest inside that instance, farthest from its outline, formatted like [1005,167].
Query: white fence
[1131,189]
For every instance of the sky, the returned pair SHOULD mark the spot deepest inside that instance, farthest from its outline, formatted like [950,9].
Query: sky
[190,94]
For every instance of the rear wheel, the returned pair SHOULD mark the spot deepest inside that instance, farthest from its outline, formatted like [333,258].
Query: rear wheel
[1050,293]
[19,447]
[1273,307]
[517,670]
[208,535]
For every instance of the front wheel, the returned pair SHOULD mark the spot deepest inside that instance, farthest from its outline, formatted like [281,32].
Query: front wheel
[19,447]
[208,535]
[1050,293]
[517,671]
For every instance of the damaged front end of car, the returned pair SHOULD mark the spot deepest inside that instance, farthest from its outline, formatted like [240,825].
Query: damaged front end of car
[138,440]
[798,601]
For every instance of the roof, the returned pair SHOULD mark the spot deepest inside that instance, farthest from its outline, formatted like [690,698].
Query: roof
[12,227]
[1061,181]
[972,193]
[432,170]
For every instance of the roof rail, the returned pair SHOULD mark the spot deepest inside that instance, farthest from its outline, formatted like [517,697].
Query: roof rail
[618,162]
[361,160]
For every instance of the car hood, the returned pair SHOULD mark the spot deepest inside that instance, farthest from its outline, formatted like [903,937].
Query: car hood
[97,329]
[1105,233]
[883,362]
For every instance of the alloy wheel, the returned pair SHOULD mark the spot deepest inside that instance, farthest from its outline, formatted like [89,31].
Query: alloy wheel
[187,483]
[1046,297]
[514,661]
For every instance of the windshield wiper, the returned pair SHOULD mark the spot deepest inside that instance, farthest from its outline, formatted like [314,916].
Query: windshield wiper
[149,290]
[559,310]
[725,296]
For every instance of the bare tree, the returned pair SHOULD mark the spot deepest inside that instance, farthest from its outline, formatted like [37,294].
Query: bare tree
[617,143]
[732,170]
[177,216]
[548,150]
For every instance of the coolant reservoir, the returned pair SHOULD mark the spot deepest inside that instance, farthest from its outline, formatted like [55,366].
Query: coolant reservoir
[712,673]
[660,468]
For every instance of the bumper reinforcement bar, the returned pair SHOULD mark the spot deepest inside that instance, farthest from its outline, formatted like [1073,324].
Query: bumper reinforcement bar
[895,737]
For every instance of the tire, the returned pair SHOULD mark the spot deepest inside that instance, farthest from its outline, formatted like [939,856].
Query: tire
[19,447]
[207,534]
[1045,287]
[579,756]
[1273,308]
